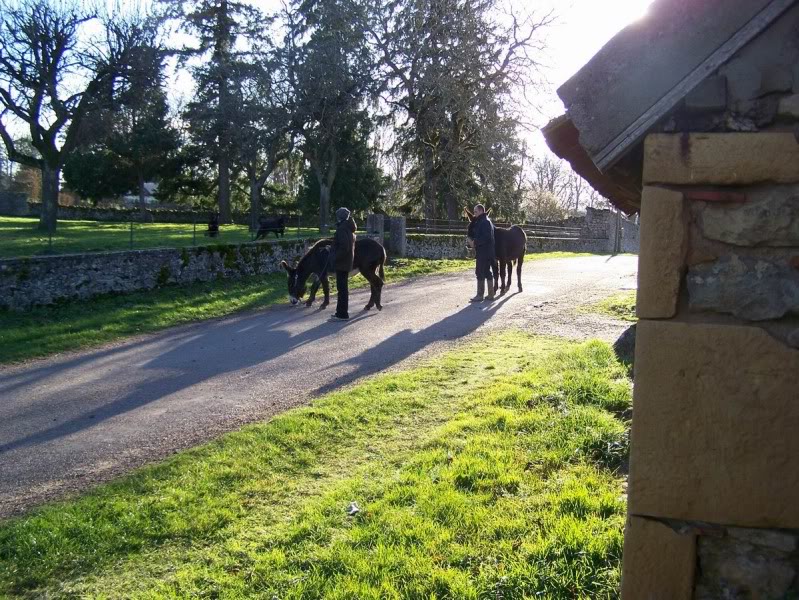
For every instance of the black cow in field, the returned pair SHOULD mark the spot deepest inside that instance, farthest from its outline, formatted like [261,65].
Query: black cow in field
[213,225]
[510,244]
[267,225]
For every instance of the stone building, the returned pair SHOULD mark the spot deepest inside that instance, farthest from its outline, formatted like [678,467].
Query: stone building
[691,117]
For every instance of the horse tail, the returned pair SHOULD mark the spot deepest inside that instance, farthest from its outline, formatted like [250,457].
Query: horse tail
[381,273]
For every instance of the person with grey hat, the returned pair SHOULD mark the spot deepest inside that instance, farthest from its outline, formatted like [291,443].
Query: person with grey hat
[344,252]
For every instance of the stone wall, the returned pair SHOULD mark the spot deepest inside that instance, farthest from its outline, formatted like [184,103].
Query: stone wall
[454,246]
[27,282]
[714,469]
[435,246]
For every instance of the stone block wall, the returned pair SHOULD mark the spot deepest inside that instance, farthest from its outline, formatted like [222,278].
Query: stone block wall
[714,469]
[27,282]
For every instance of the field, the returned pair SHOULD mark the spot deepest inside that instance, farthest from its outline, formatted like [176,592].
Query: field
[73,325]
[495,471]
[19,236]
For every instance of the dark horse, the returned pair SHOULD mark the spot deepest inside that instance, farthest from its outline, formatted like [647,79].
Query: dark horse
[276,225]
[370,258]
[510,244]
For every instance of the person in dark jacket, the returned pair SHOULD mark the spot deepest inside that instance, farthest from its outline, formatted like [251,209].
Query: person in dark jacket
[344,253]
[485,253]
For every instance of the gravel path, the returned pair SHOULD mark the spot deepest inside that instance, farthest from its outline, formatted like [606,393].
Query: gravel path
[74,420]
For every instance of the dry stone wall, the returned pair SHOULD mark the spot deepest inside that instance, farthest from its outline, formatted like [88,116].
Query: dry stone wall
[27,282]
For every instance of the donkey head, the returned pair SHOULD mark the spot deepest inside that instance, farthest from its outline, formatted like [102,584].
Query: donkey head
[296,282]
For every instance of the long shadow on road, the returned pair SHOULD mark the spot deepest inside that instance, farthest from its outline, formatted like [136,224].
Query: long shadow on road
[230,346]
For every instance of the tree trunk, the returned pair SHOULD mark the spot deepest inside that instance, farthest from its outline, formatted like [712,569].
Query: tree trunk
[255,199]
[222,56]
[142,201]
[50,188]
[225,215]
[324,207]
[429,185]
[452,206]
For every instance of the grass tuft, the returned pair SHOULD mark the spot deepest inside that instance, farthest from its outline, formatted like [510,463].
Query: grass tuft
[620,306]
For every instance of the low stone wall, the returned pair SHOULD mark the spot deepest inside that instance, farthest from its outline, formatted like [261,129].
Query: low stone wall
[435,246]
[454,246]
[27,282]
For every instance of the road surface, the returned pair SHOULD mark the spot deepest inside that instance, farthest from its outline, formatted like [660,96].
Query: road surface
[74,420]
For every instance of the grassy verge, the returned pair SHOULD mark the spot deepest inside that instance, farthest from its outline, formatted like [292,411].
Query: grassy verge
[19,236]
[74,325]
[619,306]
[489,472]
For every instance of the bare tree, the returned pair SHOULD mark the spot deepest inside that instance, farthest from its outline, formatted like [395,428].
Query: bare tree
[54,75]
[449,68]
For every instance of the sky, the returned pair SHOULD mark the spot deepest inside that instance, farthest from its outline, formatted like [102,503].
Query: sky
[580,30]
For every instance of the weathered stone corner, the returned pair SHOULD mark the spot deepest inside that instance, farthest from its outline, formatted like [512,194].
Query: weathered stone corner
[659,564]
[721,158]
[714,436]
[661,262]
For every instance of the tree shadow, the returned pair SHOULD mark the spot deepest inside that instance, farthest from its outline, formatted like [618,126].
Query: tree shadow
[262,340]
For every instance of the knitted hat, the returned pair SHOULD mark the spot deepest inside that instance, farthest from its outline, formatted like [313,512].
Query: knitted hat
[342,214]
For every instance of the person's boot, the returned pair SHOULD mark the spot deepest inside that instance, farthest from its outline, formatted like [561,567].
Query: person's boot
[490,297]
[480,291]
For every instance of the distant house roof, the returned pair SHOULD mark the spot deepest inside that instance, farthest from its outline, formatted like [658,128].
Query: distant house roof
[641,74]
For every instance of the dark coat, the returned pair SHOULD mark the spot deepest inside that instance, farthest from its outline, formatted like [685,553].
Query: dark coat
[344,245]
[485,250]
[484,238]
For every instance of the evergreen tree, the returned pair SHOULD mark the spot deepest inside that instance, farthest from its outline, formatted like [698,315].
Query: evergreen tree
[221,28]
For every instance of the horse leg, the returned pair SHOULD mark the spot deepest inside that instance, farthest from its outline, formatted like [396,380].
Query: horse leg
[326,290]
[312,296]
[510,275]
[519,272]
[371,302]
[378,288]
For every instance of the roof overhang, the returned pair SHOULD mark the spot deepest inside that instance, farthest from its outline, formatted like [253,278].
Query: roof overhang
[622,189]
[641,75]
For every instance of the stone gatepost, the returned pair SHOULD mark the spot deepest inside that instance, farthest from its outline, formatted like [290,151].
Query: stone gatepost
[713,506]
[375,225]
[398,244]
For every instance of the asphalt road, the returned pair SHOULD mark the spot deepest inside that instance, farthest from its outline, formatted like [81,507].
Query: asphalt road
[77,419]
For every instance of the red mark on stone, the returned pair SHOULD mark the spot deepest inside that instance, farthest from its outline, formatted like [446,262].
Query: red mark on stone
[715,196]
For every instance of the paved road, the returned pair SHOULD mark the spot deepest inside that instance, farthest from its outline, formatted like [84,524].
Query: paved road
[81,418]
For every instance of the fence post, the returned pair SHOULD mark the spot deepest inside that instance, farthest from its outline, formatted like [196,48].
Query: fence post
[298,225]
[131,234]
[50,242]
[194,232]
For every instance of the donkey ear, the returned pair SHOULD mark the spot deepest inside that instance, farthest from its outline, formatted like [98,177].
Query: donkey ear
[488,212]
[467,214]
[284,264]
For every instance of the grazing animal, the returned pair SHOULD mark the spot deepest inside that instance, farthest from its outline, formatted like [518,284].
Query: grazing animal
[213,226]
[510,245]
[370,258]
[276,225]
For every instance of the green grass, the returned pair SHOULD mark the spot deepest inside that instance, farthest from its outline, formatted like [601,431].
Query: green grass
[19,236]
[491,472]
[73,325]
[619,306]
